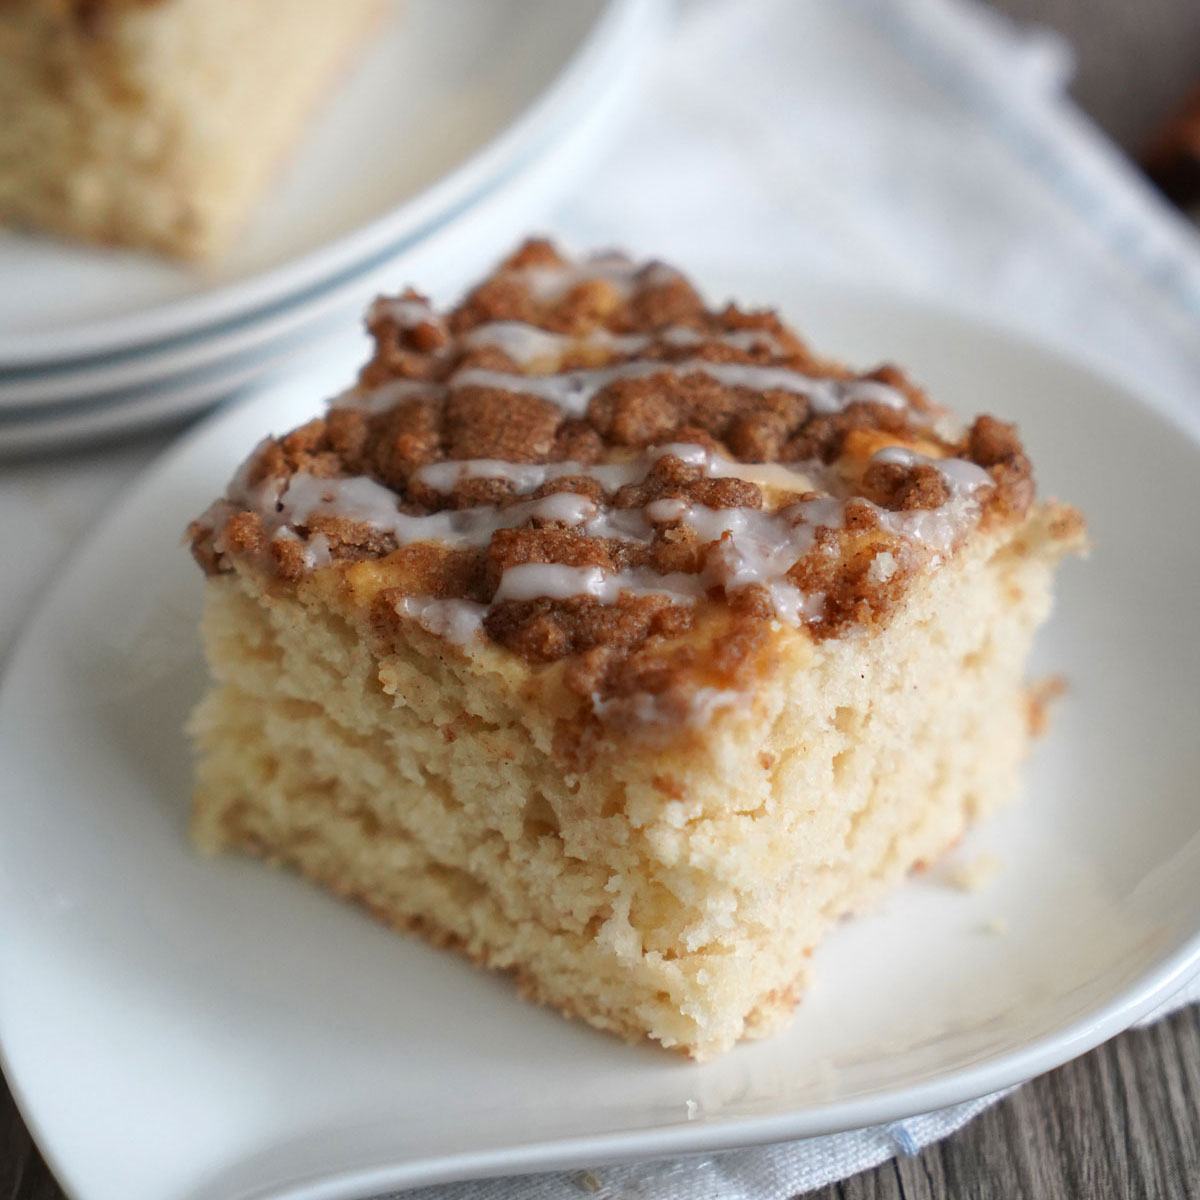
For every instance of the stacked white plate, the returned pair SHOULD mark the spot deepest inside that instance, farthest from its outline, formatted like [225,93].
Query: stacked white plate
[463,124]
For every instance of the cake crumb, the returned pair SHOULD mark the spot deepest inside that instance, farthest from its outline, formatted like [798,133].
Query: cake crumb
[883,566]
[588,1182]
[997,926]
[1041,695]
[977,873]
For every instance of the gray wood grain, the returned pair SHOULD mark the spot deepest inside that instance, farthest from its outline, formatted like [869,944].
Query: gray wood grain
[1123,1121]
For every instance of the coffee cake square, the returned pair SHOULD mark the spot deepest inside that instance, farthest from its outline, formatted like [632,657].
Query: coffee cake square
[619,642]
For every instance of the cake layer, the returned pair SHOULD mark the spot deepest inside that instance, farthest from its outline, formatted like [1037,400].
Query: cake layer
[159,124]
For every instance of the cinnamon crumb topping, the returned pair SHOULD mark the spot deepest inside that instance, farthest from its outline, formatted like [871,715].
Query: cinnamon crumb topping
[583,463]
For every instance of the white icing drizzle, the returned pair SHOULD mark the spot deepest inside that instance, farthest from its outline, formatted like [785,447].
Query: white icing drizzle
[748,547]
[362,500]
[458,621]
[526,344]
[550,281]
[753,547]
[405,311]
[528,477]
[936,528]
[241,494]
[572,391]
[883,566]
[739,339]
[524,477]
[960,474]
[318,552]
[808,476]
[556,581]
[581,513]
[756,548]
[670,508]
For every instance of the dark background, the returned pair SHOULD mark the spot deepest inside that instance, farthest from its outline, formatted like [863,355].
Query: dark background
[1136,58]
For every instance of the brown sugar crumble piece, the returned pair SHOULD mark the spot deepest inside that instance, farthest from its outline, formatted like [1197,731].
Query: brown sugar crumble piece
[1041,697]
[648,642]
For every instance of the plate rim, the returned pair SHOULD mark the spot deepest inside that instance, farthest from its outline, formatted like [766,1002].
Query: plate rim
[1100,1021]
[613,23]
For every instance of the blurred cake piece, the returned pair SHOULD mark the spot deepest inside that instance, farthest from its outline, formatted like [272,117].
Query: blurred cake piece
[158,123]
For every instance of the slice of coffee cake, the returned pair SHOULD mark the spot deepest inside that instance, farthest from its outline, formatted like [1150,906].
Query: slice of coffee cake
[619,642]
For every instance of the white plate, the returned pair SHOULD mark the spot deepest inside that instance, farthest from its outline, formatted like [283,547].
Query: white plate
[135,411]
[451,94]
[175,1027]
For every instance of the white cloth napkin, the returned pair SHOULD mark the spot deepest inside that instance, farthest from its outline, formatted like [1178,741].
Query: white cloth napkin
[921,145]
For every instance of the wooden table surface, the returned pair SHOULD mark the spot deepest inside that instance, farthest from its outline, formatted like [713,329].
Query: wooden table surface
[1123,1121]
